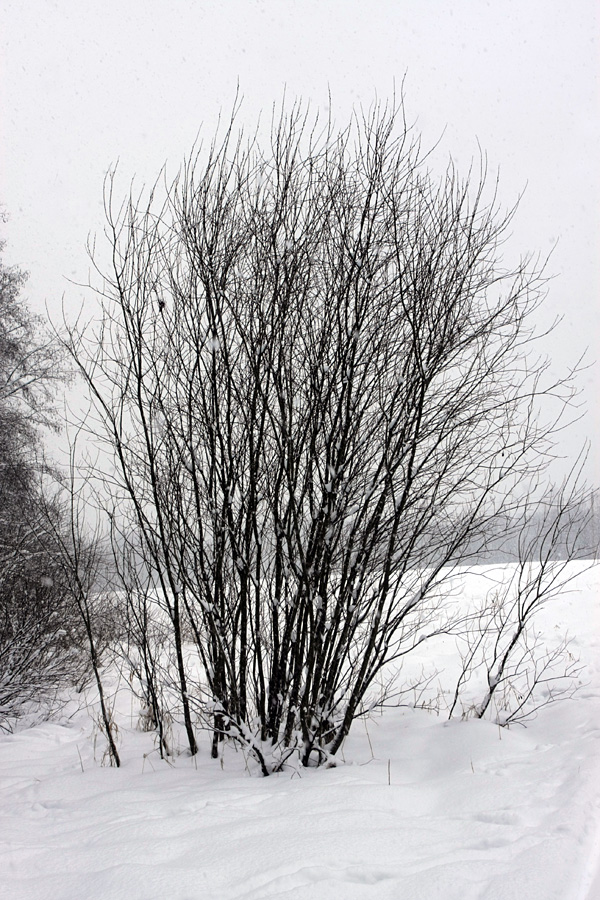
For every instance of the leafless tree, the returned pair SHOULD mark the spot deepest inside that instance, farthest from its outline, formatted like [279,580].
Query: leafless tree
[313,372]
[146,644]
[31,361]
[502,638]
[37,654]
[82,562]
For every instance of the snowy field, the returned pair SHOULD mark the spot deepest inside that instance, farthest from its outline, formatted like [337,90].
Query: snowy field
[423,808]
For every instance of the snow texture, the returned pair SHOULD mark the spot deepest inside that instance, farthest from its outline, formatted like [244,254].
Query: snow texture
[471,811]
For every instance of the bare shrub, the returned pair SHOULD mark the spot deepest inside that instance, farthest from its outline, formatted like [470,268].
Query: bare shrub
[314,377]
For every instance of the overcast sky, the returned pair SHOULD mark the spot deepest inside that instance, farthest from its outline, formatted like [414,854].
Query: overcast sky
[86,83]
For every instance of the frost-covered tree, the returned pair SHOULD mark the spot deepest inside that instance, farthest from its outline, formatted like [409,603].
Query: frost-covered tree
[313,373]
[39,640]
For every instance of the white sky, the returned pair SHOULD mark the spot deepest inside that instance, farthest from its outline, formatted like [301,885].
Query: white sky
[86,83]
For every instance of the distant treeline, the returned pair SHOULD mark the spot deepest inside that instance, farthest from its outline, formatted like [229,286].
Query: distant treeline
[515,539]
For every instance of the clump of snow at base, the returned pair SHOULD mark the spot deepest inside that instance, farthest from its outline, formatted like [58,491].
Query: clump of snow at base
[420,808]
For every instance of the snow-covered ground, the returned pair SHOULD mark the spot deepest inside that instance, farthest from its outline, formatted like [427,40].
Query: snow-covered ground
[423,808]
